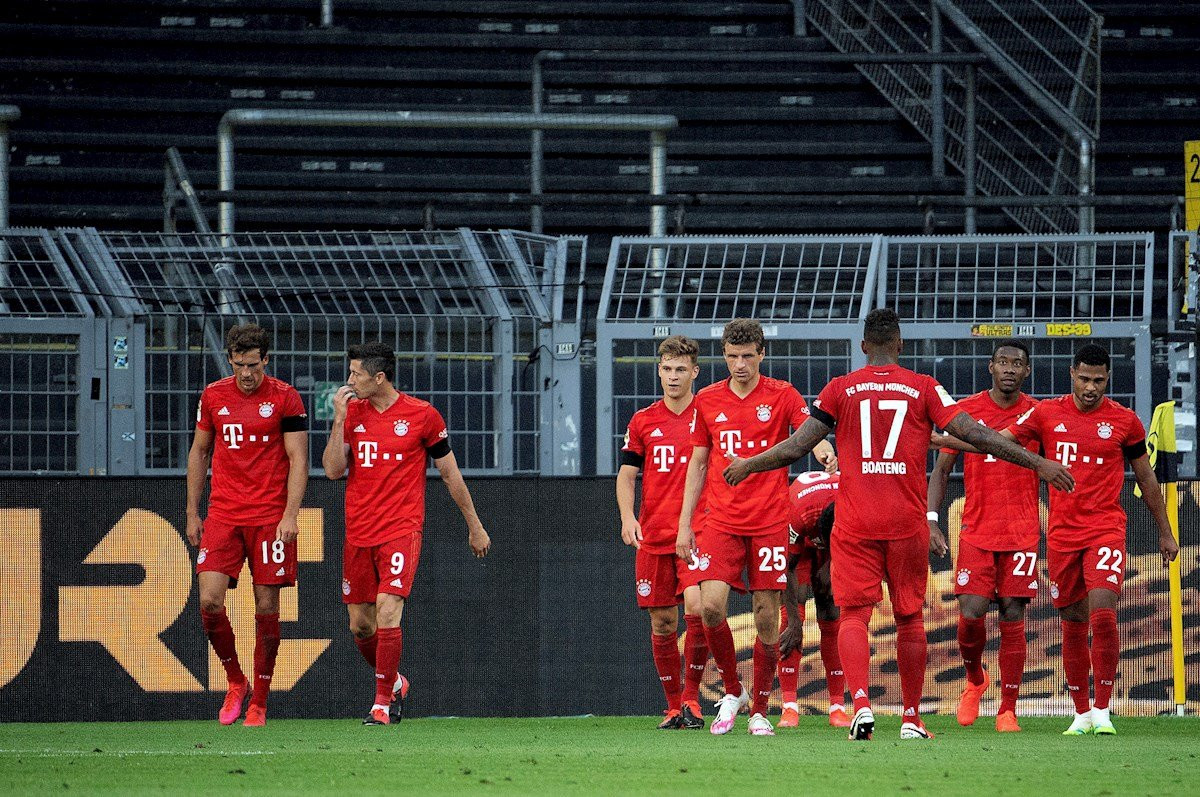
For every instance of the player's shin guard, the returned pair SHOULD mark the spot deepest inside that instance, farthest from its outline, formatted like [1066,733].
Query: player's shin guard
[1106,653]
[695,653]
[911,658]
[1012,663]
[854,646]
[972,637]
[720,643]
[835,679]
[366,647]
[220,636]
[387,662]
[789,665]
[766,658]
[668,662]
[266,647]
[1076,663]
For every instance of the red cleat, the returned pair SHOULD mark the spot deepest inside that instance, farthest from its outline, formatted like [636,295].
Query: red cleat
[378,716]
[256,716]
[1006,722]
[789,717]
[838,717]
[968,702]
[235,698]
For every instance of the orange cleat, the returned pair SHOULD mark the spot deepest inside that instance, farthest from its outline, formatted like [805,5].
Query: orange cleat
[789,717]
[838,717]
[1006,722]
[378,716]
[235,698]
[256,716]
[968,702]
[672,721]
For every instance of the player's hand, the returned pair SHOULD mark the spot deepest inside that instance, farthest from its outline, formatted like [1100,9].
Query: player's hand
[631,533]
[685,544]
[1056,475]
[1168,547]
[341,400]
[937,540]
[479,541]
[736,471]
[791,638]
[829,460]
[287,530]
[938,440]
[195,527]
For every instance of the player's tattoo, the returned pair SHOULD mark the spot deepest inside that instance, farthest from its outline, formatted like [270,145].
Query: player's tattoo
[783,454]
[990,442]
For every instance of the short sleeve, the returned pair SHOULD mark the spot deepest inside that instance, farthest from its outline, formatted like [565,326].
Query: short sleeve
[1134,432]
[435,429]
[1029,426]
[940,405]
[203,421]
[633,438]
[798,412]
[295,416]
[825,408]
[701,436]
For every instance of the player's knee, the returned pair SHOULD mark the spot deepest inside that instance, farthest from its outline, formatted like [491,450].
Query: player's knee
[712,614]
[362,629]
[212,604]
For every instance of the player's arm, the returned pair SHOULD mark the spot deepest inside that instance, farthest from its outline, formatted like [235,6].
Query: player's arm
[1153,498]
[697,470]
[1002,445]
[936,495]
[199,457]
[295,445]
[631,530]
[477,536]
[336,457]
[793,635]
[781,455]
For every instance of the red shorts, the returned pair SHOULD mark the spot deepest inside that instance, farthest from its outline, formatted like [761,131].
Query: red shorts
[700,567]
[859,567]
[1075,573]
[995,574]
[657,577]
[223,548]
[389,567]
[723,556]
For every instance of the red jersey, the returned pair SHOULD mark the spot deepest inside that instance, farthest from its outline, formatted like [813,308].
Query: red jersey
[808,495]
[730,426]
[1092,445]
[1001,512]
[385,487]
[660,443]
[249,463]
[883,415]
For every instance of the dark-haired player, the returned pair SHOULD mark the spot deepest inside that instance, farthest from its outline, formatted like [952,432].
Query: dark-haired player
[998,540]
[382,438]
[253,428]
[883,415]
[1094,437]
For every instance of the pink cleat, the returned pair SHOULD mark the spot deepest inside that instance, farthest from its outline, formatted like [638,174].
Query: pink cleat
[235,699]
[727,710]
[256,717]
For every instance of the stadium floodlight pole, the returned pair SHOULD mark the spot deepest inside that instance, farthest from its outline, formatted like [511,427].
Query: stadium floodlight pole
[637,123]
[8,113]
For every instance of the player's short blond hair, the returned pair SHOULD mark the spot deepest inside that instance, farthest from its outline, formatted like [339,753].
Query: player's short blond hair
[679,346]
[741,331]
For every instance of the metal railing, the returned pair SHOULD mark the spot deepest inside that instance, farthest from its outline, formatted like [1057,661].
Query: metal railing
[8,113]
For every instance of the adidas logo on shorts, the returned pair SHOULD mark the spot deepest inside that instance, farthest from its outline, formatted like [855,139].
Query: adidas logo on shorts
[397,583]
[280,572]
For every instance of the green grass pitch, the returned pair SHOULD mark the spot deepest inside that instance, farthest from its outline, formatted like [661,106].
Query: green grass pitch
[600,755]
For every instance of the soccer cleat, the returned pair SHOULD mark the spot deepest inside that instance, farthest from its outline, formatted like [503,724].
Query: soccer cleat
[838,717]
[727,709]
[399,692]
[863,725]
[673,722]
[968,701]
[256,716]
[690,718]
[1103,727]
[1081,726]
[790,716]
[1006,722]
[378,716]
[759,726]
[914,730]
[235,699]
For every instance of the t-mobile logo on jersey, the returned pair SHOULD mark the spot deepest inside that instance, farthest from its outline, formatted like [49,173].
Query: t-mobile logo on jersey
[731,441]
[664,458]
[368,452]
[1065,453]
[232,433]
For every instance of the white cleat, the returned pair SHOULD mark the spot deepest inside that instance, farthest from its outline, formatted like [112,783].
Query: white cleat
[1082,725]
[863,725]
[914,730]
[727,709]
[759,726]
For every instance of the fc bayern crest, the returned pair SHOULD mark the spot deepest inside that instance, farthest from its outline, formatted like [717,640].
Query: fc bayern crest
[763,411]
[1054,590]
[400,428]
[266,409]
[703,562]
[345,586]
[1104,430]
[643,588]
[964,577]
[203,555]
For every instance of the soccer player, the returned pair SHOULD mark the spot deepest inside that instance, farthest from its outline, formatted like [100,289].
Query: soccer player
[998,540]
[254,430]
[658,442]
[883,415]
[742,529]
[1093,436]
[811,519]
[382,437]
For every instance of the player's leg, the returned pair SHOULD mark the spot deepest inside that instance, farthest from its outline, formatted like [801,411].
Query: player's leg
[273,564]
[363,628]
[664,638]
[789,665]
[765,560]
[721,559]
[395,561]
[1104,573]
[360,584]
[907,567]
[695,654]
[972,637]
[856,573]
[1012,660]
[828,620]
[1069,595]
[218,566]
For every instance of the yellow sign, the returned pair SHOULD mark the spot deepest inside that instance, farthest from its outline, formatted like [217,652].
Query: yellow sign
[1191,184]
[1075,330]
[992,331]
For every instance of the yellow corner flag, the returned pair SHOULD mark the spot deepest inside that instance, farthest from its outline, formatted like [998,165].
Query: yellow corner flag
[1160,445]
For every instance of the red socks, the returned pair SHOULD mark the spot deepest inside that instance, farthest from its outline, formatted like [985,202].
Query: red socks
[855,649]
[695,651]
[1106,653]
[972,636]
[387,662]
[220,635]
[766,657]
[366,647]
[835,680]
[1012,663]
[720,644]
[1076,663]
[266,646]
[911,660]
[789,665]
[667,662]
